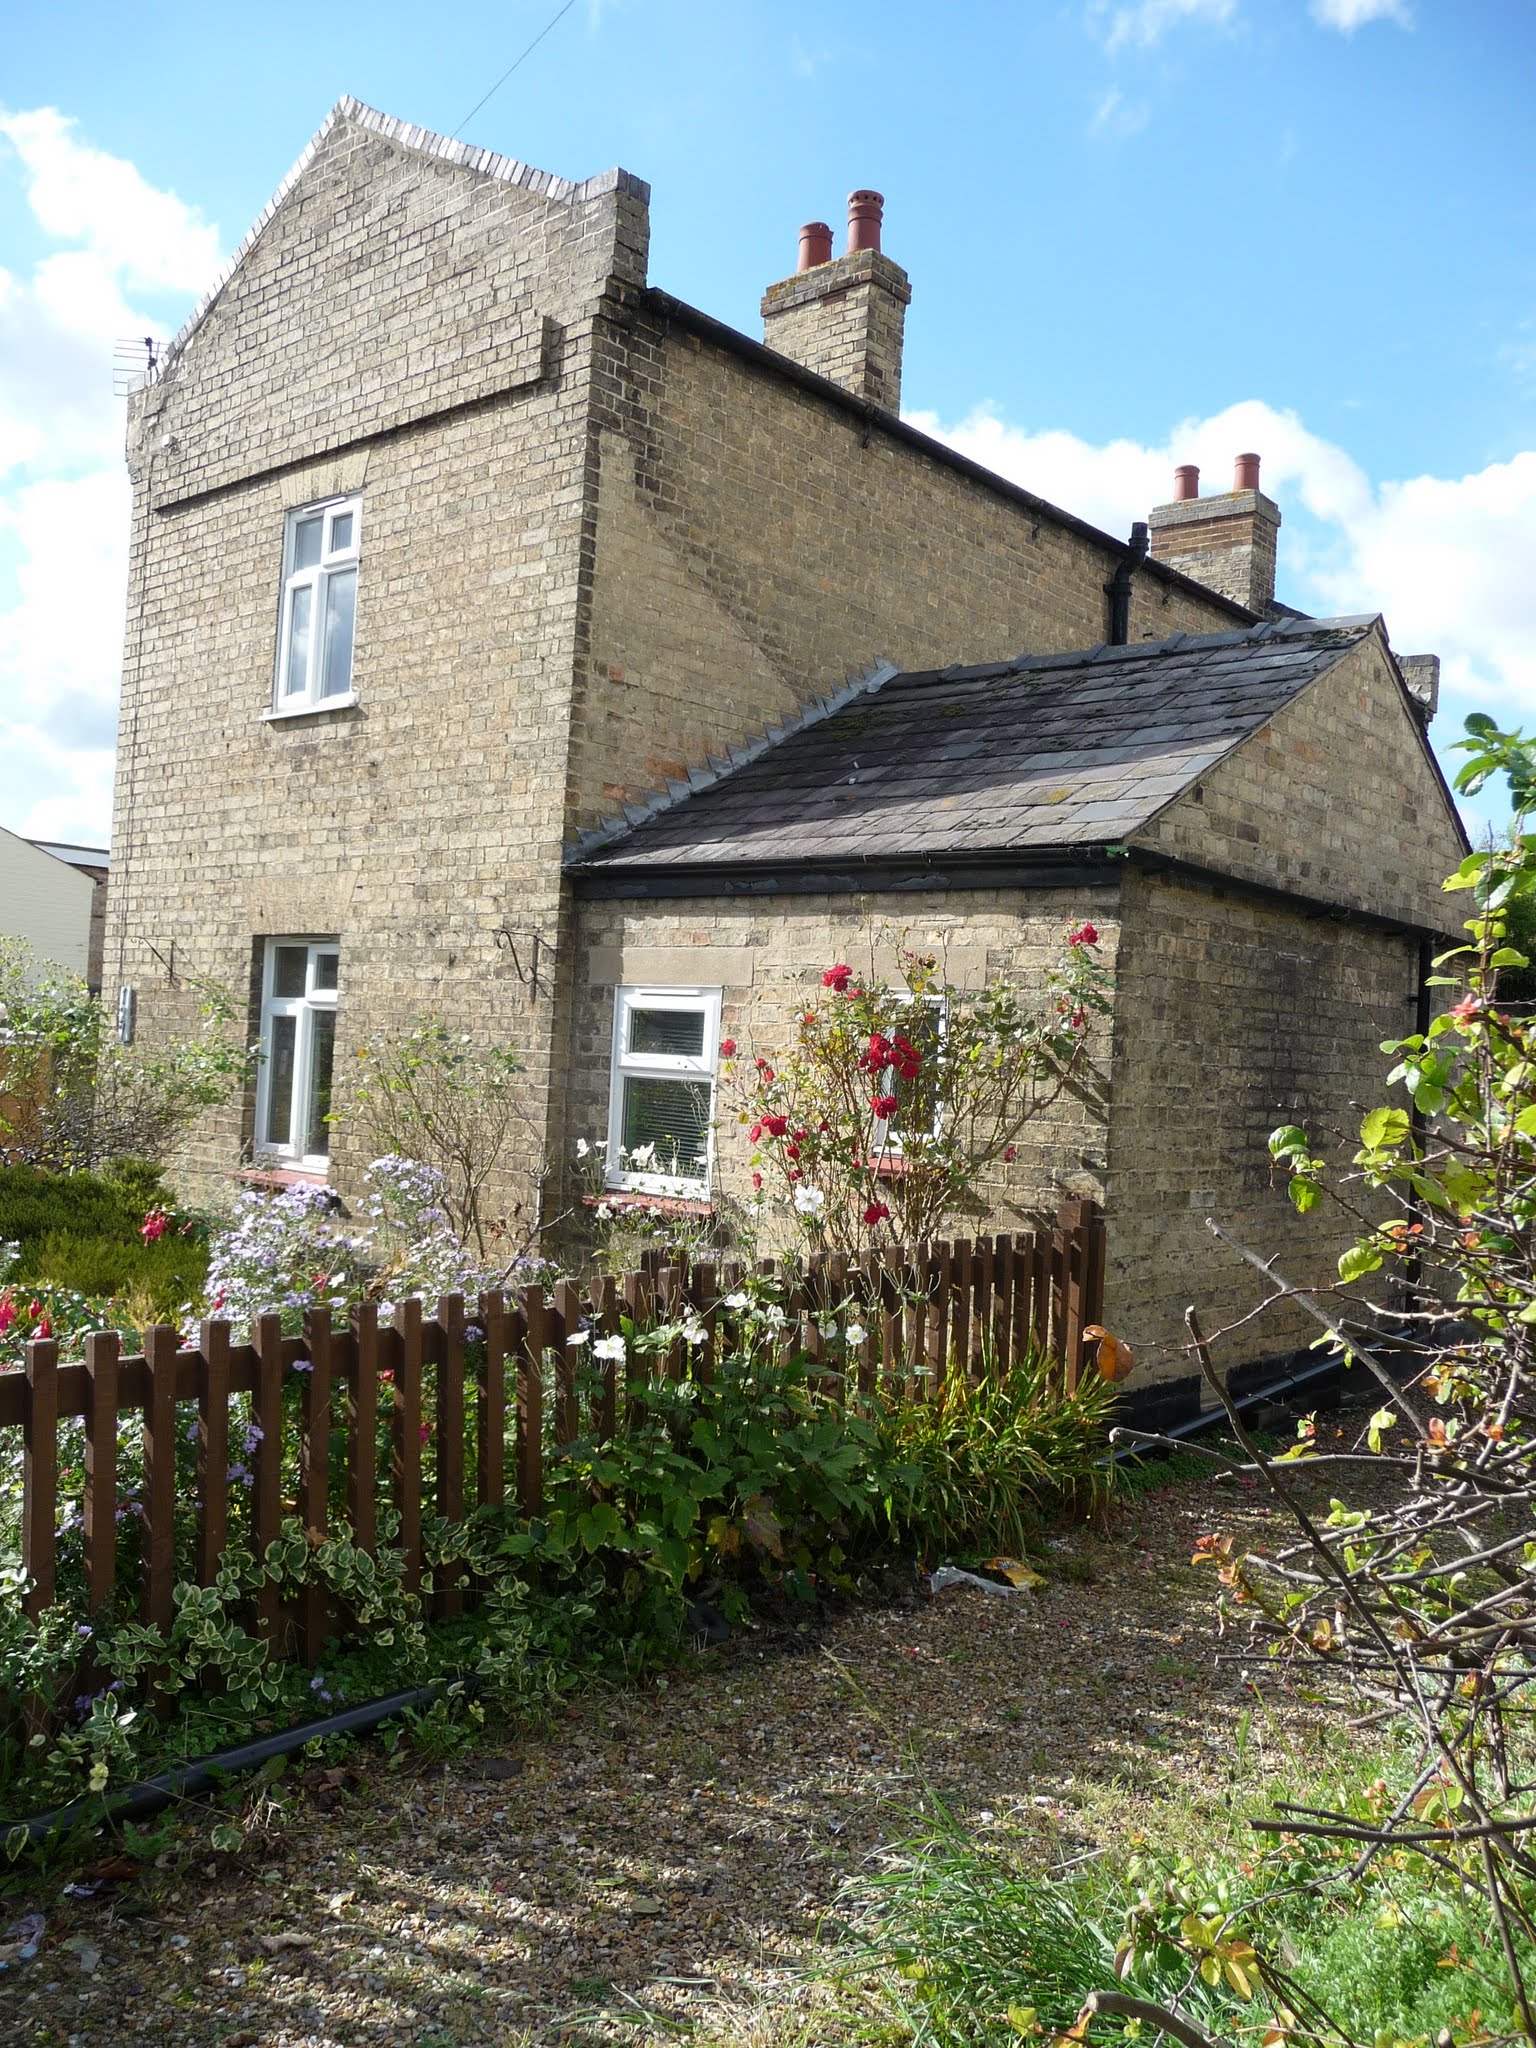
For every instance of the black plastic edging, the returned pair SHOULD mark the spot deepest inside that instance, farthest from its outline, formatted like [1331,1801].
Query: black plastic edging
[137,1802]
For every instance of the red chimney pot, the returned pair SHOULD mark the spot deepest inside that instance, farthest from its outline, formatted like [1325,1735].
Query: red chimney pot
[815,244]
[1186,481]
[864,214]
[1247,477]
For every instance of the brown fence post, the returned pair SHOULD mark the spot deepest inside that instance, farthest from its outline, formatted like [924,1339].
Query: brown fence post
[1074,1218]
[101,1355]
[363,1443]
[267,1502]
[212,1449]
[160,1348]
[567,1415]
[491,1402]
[314,1470]
[40,1473]
[530,1405]
[407,1435]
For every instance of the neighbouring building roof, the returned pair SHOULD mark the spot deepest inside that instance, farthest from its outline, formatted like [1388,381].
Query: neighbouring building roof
[1042,752]
[76,856]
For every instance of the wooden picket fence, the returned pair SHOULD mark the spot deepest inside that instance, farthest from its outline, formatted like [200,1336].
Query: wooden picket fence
[969,1306]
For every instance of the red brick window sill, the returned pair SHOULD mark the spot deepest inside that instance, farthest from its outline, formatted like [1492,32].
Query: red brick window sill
[275,1178]
[661,1205]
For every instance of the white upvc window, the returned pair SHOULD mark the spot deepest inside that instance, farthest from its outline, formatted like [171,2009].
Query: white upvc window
[298,1046]
[666,1044]
[319,612]
[917,1111]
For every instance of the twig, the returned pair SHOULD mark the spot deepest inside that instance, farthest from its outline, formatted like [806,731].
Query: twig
[1118,2006]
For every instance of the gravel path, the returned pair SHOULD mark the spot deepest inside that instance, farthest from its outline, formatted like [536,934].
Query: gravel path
[662,1859]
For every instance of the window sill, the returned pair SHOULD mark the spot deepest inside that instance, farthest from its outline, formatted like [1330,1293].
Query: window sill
[635,1198]
[276,1178]
[273,716]
[892,1166]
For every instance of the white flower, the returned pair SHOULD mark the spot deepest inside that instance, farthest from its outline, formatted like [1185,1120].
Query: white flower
[855,1333]
[738,1300]
[694,1333]
[810,1201]
[578,1336]
[774,1316]
[828,1326]
[609,1347]
[582,1148]
[643,1156]
[605,1212]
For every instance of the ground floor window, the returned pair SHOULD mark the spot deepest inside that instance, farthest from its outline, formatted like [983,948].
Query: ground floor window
[298,1046]
[662,1103]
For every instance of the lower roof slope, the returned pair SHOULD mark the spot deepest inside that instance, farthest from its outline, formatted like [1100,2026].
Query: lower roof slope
[1043,752]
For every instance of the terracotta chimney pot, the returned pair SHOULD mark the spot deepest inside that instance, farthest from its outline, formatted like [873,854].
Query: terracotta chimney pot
[864,214]
[815,244]
[1186,481]
[1247,476]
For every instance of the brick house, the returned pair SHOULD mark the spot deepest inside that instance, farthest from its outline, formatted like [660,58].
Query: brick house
[509,639]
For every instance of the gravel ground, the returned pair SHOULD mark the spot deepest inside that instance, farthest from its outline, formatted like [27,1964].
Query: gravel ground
[661,1861]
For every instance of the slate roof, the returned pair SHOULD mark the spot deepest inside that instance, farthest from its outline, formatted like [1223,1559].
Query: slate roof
[1043,752]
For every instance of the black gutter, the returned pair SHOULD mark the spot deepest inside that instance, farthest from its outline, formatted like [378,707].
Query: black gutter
[1118,588]
[677,312]
[138,1802]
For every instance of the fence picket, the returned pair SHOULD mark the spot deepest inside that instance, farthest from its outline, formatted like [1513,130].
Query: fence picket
[159,1504]
[363,1444]
[102,1349]
[40,1474]
[212,1449]
[567,1409]
[315,1470]
[491,1403]
[267,1498]
[530,1405]
[407,1436]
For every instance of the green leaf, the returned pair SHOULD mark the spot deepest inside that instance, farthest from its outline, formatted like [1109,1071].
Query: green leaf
[1305,1195]
[1384,1127]
[1359,1260]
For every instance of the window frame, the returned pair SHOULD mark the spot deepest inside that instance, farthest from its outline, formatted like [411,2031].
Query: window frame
[625,1065]
[304,1009]
[886,1141]
[317,579]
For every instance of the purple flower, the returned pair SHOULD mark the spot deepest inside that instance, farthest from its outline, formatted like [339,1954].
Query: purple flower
[302,1365]
[473,1333]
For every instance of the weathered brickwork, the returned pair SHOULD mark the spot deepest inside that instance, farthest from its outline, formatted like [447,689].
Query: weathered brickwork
[1232,1016]
[1337,799]
[846,320]
[768,958]
[1228,541]
[760,542]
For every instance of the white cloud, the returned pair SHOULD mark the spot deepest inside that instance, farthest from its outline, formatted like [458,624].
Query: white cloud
[1117,116]
[1445,559]
[1348,15]
[1141,23]
[133,257]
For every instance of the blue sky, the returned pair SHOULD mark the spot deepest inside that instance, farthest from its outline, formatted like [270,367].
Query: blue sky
[1139,232]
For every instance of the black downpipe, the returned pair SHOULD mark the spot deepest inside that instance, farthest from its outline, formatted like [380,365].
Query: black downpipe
[137,1802]
[1118,588]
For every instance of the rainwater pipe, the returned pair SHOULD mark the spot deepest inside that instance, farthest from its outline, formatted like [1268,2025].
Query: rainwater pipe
[1118,588]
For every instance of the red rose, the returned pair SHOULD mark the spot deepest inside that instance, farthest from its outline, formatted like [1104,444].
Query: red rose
[791,1151]
[755,1133]
[823,1125]
[44,1328]
[808,1017]
[757,1180]
[837,977]
[727,1048]
[1011,1154]
[1085,935]
[876,1212]
[883,1105]
[775,1126]
[801,1135]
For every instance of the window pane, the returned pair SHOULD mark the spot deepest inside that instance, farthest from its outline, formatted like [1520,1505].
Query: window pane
[669,1031]
[288,970]
[300,609]
[280,1057]
[306,543]
[340,604]
[318,1140]
[341,533]
[672,1117]
[325,970]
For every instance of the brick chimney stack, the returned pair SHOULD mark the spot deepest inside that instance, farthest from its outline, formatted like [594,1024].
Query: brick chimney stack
[1226,542]
[844,316]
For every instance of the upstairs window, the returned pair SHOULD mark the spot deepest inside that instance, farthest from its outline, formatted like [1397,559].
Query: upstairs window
[298,1045]
[662,1102]
[314,642]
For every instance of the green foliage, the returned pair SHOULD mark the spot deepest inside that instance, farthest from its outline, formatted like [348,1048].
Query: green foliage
[971,1944]
[72,1097]
[987,1459]
[438,1097]
[882,1118]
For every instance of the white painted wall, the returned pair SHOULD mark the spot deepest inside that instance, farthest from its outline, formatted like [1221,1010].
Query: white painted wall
[46,902]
